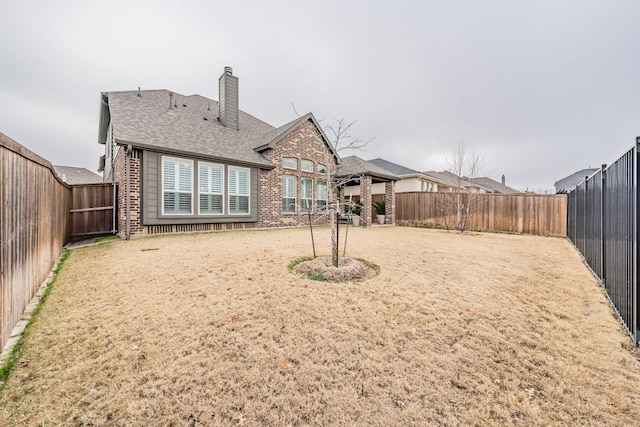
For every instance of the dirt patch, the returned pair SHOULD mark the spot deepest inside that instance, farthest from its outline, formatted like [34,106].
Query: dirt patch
[348,269]
[212,329]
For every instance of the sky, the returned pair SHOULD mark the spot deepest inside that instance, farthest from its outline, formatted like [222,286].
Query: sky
[536,89]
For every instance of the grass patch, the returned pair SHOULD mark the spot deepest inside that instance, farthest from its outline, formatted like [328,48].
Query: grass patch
[107,238]
[317,276]
[11,360]
[295,262]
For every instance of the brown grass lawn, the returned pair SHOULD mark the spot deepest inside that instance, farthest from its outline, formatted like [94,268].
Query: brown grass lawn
[211,329]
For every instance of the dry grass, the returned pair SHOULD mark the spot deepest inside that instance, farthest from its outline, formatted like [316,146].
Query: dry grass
[211,329]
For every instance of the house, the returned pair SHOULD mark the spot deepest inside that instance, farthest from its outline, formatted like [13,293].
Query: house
[190,163]
[77,176]
[494,186]
[407,179]
[358,177]
[451,182]
[568,183]
[410,180]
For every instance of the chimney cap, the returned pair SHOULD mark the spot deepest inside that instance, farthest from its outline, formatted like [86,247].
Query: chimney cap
[228,70]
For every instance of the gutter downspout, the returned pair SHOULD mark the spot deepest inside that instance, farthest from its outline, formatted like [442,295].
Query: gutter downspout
[127,235]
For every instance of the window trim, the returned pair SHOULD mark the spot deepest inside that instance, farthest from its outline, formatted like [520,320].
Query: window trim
[294,179]
[326,195]
[162,189]
[295,161]
[200,192]
[230,194]
[302,198]
[309,162]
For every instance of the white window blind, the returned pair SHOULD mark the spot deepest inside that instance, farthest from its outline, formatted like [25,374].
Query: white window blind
[306,194]
[177,186]
[211,188]
[238,190]
[322,196]
[288,193]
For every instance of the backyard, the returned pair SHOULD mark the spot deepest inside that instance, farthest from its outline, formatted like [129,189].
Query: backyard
[212,329]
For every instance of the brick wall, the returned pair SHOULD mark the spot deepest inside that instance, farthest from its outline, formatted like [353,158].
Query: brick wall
[303,143]
[119,175]
[390,202]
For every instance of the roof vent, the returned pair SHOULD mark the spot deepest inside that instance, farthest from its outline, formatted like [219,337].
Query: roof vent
[228,70]
[170,101]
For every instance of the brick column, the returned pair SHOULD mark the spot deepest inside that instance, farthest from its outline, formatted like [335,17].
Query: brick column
[390,202]
[365,198]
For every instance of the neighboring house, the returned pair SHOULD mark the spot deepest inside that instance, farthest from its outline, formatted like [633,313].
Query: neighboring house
[451,182]
[570,182]
[189,163]
[358,177]
[408,179]
[75,176]
[495,186]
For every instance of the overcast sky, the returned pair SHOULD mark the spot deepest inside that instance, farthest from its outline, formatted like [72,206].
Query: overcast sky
[538,88]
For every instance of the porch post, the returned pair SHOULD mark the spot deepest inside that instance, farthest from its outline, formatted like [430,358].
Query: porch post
[365,199]
[390,202]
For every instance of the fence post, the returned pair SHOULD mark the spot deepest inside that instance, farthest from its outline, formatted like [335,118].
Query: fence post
[636,303]
[603,221]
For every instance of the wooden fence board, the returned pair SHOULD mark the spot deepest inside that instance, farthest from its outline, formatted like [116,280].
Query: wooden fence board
[92,211]
[538,214]
[34,226]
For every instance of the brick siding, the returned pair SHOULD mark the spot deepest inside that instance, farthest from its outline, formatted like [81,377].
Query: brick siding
[303,143]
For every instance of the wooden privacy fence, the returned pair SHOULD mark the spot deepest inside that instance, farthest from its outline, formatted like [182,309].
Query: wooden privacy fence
[93,211]
[537,214]
[34,226]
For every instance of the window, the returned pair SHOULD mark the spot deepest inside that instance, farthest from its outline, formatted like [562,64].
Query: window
[322,196]
[288,193]
[322,168]
[306,165]
[177,186]
[211,185]
[290,163]
[306,194]
[238,190]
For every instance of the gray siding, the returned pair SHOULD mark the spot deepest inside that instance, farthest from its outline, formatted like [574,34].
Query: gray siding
[228,102]
[152,199]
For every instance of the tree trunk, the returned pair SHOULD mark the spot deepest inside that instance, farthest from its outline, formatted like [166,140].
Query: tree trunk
[334,237]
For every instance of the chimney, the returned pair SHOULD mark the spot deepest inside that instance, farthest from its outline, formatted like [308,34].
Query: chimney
[228,99]
[503,180]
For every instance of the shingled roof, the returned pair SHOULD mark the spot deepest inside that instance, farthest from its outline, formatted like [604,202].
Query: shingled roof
[494,186]
[169,121]
[354,165]
[393,168]
[74,175]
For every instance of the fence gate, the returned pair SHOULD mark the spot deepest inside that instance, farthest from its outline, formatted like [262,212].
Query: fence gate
[93,210]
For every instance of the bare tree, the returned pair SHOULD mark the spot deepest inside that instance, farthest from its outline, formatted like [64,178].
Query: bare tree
[341,140]
[464,165]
